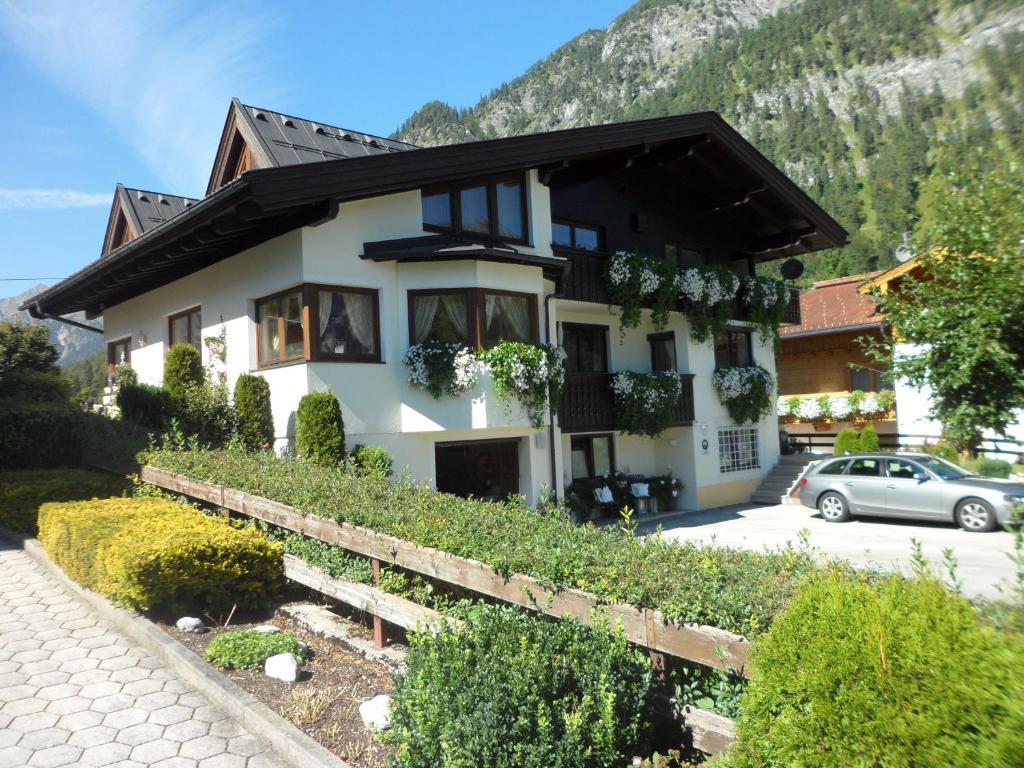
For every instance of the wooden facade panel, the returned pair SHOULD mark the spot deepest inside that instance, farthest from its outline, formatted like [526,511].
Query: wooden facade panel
[820,363]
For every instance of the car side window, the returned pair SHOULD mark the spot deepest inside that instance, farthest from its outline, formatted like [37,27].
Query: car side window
[834,467]
[865,467]
[901,469]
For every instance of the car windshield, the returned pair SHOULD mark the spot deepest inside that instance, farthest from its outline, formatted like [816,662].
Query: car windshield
[944,469]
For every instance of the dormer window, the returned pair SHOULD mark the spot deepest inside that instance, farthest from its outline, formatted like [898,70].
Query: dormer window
[493,210]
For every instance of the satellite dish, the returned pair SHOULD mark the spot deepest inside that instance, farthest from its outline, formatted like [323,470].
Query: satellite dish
[792,269]
[903,252]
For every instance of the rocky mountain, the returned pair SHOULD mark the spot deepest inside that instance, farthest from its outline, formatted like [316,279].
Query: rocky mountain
[857,102]
[72,343]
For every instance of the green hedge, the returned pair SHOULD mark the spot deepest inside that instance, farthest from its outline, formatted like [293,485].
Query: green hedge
[509,690]
[145,405]
[319,429]
[183,368]
[157,555]
[252,412]
[22,492]
[732,589]
[39,435]
[893,674]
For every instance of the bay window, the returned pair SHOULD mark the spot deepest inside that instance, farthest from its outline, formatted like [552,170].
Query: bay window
[493,209]
[472,316]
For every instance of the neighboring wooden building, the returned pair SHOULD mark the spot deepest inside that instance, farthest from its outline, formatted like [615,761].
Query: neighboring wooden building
[822,356]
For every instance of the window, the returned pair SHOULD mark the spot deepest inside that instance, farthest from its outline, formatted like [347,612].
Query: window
[592,456]
[586,348]
[733,348]
[865,467]
[494,209]
[348,324]
[870,380]
[900,469]
[580,236]
[279,328]
[119,352]
[737,449]
[186,328]
[663,351]
[834,467]
[681,255]
[472,316]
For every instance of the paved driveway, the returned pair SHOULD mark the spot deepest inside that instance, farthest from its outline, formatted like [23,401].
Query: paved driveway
[75,692]
[886,544]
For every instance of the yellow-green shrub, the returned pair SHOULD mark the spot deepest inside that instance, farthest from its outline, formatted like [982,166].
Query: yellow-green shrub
[23,491]
[155,554]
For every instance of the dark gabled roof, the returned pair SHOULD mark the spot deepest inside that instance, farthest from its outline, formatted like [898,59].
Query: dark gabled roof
[268,202]
[277,139]
[142,211]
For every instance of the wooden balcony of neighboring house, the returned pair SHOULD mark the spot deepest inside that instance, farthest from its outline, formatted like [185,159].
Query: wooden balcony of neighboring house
[824,420]
[584,281]
[588,403]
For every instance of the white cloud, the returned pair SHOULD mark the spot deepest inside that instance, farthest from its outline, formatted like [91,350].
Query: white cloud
[51,199]
[162,76]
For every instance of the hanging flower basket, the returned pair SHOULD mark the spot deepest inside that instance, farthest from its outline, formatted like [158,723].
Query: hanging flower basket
[442,369]
[635,281]
[706,294]
[765,301]
[532,373]
[745,392]
[645,403]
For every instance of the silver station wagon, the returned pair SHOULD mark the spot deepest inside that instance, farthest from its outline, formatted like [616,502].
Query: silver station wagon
[908,485]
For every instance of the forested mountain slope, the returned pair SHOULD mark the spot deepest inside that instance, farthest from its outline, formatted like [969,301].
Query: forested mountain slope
[856,101]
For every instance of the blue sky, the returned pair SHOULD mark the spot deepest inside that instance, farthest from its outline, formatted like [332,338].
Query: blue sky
[95,92]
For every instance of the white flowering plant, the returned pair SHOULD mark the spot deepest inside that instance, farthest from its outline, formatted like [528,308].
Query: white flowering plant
[765,301]
[746,392]
[843,406]
[645,403]
[532,373]
[442,368]
[634,281]
[706,293]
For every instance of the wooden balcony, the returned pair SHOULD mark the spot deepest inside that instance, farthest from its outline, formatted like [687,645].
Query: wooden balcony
[588,404]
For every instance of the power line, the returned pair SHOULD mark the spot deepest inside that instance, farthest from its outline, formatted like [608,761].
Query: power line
[12,279]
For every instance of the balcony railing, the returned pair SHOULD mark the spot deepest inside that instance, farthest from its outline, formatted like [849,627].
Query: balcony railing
[585,282]
[588,404]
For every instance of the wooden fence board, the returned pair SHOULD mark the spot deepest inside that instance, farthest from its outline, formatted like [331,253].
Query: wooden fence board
[707,645]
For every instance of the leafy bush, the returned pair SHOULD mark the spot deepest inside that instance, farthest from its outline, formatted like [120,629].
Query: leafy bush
[509,690]
[993,467]
[204,411]
[183,367]
[24,348]
[319,429]
[868,441]
[22,492]
[39,435]
[117,440]
[899,673]
[145,405]
[373,458]
[252,412]
[732,589]
[847,442]
[35,387]
[246,649]
[154,554]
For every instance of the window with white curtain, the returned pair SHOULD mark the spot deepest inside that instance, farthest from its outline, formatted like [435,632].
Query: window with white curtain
[471,316]
[348,324]
[506,318]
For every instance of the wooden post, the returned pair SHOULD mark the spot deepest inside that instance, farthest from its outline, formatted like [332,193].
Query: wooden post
[379,641]
[657,659]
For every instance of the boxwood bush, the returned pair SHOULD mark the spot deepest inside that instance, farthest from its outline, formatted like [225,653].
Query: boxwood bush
[899,673]
[154,554]
[319,429]
[847,442]
[510,690]
[246,649]
[732,589]
[22,492]
[183,367]
[373,458]
[252,412]
[145,405]
[868,441]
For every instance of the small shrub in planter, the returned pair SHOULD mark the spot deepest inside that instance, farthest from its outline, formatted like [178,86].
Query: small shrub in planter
[507,690]
[246,649]
[868,441]
[183,367]
[252,411]
[374,459]
[145,405]
[23,492]
[319,429]
[847,442]
[897,673]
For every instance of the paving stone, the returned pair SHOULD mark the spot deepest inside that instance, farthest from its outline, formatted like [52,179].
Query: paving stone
[22,707]
[104,754]
[226,728]
[143,687]
[91,737]
[79,721]
[223,760]
[266,760]
[62,691]
[90,676]
[140,734]
[186,730]
[33,722]
[156,700]
[112,703]
[246,745]
[171,715]
[69,705]
[129,675]
[64,754]
[44,738]
[125,718]
[9,738]
[75,666]
[98,690]
[44,679]
[119,662]
[203,747]
[155,751]
[176,762]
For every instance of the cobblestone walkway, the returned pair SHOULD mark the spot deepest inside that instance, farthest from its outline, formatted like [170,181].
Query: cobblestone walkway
[73,691]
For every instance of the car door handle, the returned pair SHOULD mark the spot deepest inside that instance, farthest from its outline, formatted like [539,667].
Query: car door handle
[891,487]
[850,485]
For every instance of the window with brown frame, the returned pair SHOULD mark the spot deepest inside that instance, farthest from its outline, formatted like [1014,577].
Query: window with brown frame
[345,323]
[680,255]
[186,328]
[733,348]
[476,317]
[592,456]
[493,209]
[571,234]
[119,352]
[663,351]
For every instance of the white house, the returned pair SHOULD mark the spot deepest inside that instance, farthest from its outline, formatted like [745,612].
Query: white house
[322,254]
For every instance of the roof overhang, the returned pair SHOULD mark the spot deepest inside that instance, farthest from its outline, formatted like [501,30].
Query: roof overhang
[884,281]
[435,248]
[879,325]
[266,203]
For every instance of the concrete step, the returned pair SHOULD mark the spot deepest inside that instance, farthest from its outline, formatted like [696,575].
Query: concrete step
[764,498]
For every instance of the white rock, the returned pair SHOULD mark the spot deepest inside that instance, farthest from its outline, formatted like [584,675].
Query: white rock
[376,712]
[283,666]
[266,629]
[190,624]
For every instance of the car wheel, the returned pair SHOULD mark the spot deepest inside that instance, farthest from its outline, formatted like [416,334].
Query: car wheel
[976,515]
[833,507]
